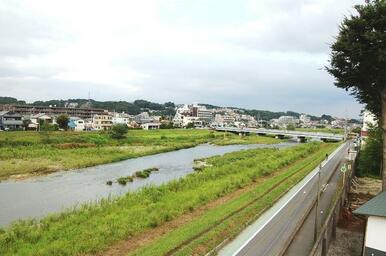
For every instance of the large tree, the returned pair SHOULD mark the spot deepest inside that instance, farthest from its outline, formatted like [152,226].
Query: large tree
[62,121]
[358,60]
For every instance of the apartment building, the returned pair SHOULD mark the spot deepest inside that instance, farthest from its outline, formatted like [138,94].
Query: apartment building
[27,110]
[102,122]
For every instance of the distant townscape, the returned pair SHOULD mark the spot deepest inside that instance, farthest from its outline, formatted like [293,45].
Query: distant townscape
[88,115]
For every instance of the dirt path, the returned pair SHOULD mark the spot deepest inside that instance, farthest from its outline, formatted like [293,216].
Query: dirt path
[350,229]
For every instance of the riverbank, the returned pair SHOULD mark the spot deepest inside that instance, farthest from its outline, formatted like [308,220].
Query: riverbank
[93,228]
[26,154]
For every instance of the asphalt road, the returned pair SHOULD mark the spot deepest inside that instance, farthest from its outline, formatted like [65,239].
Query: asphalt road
[272,233]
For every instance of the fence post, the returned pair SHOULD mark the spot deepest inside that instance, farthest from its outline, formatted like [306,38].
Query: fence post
[324,246]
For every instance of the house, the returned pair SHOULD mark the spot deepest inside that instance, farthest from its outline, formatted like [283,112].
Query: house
[122,118]
[194,114]
[102,122]
[41,117]
[143,118]
[10,121]
[150,126]
[368,120]
[375,236]
[76,124]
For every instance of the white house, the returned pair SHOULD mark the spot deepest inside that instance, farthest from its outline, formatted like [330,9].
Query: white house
[77,124]
[150,126]
[368,119]
[375,236]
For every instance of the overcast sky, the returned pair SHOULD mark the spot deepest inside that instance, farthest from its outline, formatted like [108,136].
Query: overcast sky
[260,54]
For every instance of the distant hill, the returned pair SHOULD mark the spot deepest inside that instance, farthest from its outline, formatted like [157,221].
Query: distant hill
[132,108]
[165,109]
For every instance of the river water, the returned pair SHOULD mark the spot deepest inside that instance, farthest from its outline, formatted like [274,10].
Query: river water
[36,197]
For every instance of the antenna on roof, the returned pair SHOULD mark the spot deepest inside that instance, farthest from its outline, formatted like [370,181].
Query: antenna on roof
[89,99]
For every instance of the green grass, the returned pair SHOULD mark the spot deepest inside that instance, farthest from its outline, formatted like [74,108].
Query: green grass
[204,233]
[94,227]
[28,153]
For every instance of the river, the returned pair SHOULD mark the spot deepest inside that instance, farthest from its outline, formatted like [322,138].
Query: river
[38,196]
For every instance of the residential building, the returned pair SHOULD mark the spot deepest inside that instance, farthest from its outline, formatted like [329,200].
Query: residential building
[150,126]
[305,119]
[122,118]
[202,112]
[143,118]
[25,110]
[368,120]
[10,121]
[102,122]
[375,211]
[284,121]
[36,120]
[76,124]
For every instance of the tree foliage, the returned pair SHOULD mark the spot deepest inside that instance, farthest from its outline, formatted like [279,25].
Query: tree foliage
[370,158]
[119,131]
[290,127]
[62,121]
[358,57]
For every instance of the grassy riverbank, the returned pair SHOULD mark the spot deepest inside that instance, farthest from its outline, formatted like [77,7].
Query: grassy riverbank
[262,176]
[32,153]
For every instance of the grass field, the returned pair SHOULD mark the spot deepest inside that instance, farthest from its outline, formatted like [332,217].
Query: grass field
[93,228]
[32,153]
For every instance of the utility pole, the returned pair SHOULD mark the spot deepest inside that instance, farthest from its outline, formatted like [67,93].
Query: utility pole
[316,226]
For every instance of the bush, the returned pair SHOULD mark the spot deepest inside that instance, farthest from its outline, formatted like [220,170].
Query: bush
[122,180]
[119,131]
[62,121]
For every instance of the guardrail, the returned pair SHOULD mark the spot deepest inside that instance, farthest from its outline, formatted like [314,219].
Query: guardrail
[328,231]
[276,230]
[320,135]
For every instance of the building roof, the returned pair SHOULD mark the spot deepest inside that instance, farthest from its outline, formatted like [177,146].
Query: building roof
[374,207]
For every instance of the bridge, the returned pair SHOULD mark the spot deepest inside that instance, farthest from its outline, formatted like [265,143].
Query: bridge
[300,135]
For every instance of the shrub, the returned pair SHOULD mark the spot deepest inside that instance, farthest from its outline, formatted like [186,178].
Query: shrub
[119,131]
[62,121]
[122,180]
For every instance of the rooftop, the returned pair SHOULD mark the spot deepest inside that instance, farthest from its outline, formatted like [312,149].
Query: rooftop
[374,207]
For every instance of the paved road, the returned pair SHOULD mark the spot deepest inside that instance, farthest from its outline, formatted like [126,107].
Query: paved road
[271,233]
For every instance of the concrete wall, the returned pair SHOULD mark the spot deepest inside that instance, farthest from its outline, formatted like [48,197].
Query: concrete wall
[375,234]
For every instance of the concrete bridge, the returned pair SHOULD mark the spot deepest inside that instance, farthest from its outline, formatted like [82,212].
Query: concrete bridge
[300,135]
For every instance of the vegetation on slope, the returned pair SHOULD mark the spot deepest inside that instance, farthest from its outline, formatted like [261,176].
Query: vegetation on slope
[94,227]
[35,153]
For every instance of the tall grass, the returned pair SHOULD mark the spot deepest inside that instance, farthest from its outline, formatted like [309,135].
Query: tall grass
[93,227]
[30,152]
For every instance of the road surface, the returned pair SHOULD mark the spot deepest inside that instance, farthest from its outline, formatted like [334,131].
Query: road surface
[274,232]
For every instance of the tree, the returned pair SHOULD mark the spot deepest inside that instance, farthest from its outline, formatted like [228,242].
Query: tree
[119,131]
[290,127]
[189,125]
[62,121]
[369,162]
[26,123]
[358,60]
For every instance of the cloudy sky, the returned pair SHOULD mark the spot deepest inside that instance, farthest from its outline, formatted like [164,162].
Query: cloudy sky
[261,54]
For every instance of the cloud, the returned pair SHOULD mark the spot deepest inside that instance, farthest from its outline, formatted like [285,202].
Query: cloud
[256,54]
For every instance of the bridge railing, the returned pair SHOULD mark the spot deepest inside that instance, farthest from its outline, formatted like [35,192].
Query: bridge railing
[283,132]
